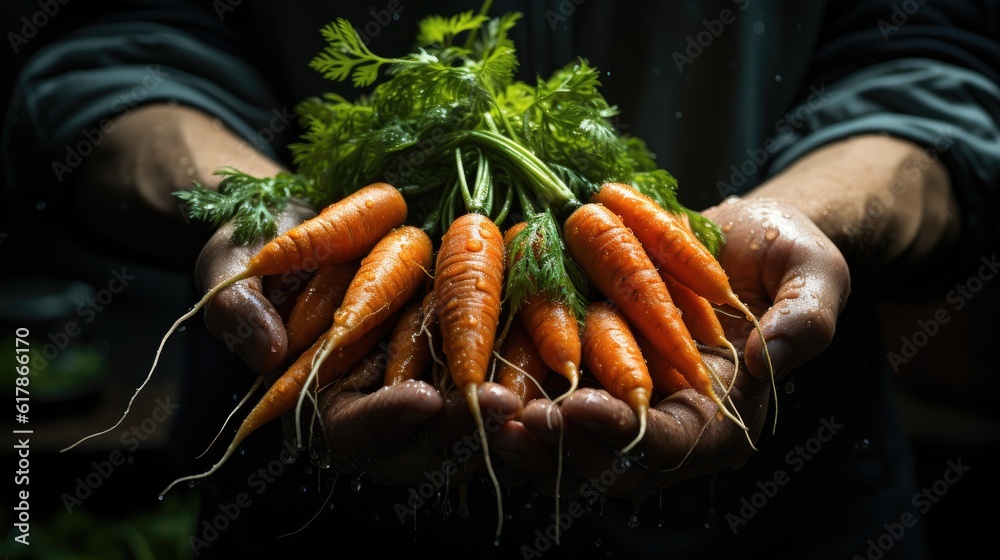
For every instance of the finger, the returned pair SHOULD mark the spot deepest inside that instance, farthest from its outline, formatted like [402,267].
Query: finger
[359,423]
[246,322]
[523,457]
[241,316]
[812,290]
[608,420]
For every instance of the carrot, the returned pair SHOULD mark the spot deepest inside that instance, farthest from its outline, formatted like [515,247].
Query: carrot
[617,264]
[387,278]
[553,328]
[611,353]
[410,353]
[666,379]
[343,231]
[521,367]
[283,394]
[468,282]
[671,246]
[364,375]
[314,308]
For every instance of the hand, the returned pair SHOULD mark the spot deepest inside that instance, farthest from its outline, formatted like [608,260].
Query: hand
[411,433]
[791,276]
[243,316]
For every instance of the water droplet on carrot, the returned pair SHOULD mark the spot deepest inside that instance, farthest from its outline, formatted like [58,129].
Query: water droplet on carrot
[474,245]
[753,246]
[727,227]
[771,234]
[369,204]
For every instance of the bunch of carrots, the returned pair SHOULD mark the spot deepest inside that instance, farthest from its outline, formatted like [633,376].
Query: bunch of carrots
[527,240]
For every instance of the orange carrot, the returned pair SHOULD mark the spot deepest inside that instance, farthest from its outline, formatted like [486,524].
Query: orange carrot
[314,308]
[616,263]
[343,231]
[612,354]
[282,396]
[666,379]
[468,282]
[387,278]
[521,369]
[553,328]
[410,353]
[672,246]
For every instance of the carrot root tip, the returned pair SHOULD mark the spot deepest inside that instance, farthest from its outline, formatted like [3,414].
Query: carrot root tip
[471,393]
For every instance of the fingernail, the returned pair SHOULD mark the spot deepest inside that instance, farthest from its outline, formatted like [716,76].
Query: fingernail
[780,353]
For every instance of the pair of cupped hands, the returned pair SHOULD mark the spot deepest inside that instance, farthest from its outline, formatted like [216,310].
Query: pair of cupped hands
[795,282]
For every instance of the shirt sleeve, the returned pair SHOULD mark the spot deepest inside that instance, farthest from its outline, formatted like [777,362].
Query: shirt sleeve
[70,92]
[927,75]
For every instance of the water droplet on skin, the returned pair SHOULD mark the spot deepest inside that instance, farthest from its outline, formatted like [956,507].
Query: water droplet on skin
[474,245]
[771,234]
